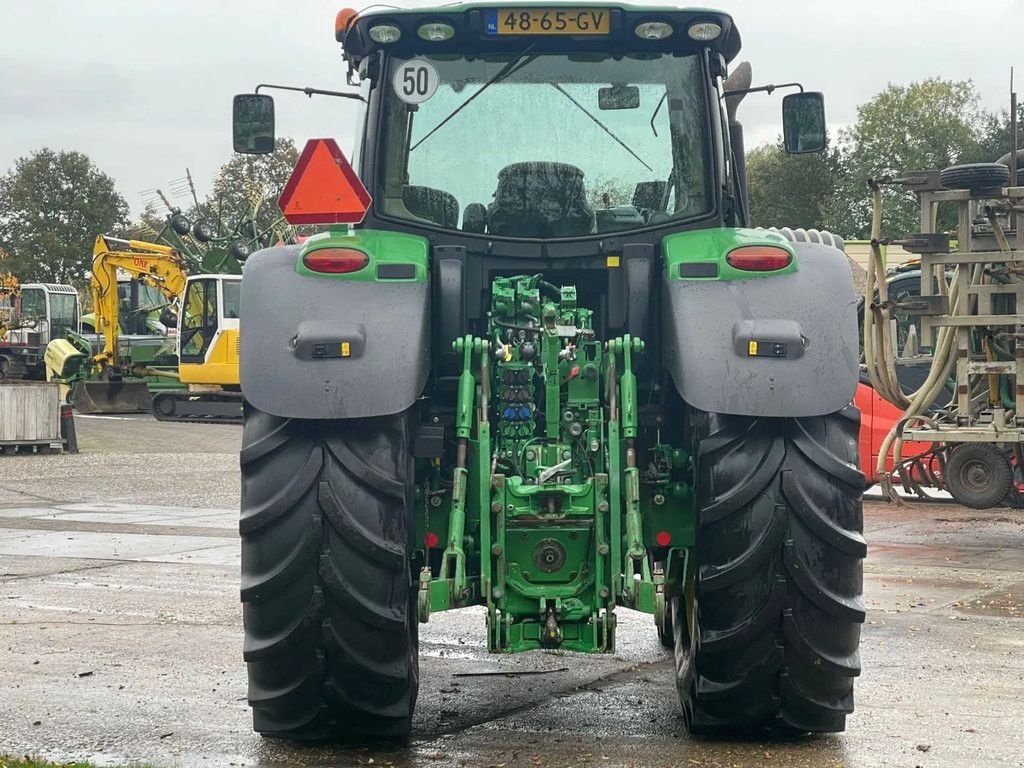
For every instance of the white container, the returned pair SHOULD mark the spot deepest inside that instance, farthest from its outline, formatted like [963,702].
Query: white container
[29,413]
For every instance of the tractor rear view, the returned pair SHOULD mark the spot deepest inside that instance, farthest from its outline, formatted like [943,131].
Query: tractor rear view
[549,371]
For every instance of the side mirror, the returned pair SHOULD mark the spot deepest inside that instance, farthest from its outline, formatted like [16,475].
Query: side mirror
[618,97]
[252,123]
[803,122]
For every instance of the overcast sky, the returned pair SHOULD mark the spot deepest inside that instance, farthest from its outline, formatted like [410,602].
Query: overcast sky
[144,87]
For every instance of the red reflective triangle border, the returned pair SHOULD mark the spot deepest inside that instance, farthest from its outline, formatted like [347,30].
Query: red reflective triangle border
[348,191]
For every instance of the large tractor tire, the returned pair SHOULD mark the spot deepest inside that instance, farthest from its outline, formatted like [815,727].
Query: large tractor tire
[767,643]
[328,604]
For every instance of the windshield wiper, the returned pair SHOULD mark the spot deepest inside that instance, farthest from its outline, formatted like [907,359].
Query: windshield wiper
[514,65]
[603,127]
[657,109]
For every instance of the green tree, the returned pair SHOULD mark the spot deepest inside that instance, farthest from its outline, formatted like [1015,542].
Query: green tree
[252,182]
[790,190]
[924,125]
[994,139]
[52,207]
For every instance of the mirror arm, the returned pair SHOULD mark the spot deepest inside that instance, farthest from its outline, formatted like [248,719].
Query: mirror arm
[762,89]
[311,91]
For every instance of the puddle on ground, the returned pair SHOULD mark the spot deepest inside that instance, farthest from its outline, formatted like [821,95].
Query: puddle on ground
[1005,602]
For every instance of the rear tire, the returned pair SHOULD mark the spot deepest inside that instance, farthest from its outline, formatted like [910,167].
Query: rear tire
[328,604]
[778,597]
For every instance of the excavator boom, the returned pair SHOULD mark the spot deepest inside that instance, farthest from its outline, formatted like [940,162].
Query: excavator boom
[154,264]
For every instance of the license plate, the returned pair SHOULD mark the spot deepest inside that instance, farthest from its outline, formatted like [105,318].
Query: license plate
[548,21]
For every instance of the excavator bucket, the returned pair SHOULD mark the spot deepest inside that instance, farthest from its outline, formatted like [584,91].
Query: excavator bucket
[111,397]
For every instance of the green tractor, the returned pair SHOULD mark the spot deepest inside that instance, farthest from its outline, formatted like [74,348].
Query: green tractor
[548,371]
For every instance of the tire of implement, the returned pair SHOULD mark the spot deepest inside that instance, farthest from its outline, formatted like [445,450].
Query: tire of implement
[978,475]
[974,176]
[780,580]
[331,631]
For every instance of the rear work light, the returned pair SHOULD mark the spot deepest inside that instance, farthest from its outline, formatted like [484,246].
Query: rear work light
[335,261]
[385,33]
[759,258]
[653,30]
[704,31]
[436,31]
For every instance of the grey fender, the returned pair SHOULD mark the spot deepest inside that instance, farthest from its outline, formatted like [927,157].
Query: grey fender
[293,328]
[805,327]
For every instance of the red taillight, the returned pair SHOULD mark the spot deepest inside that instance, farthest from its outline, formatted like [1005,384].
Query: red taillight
[663,539]
[335,261]
[430,540]
[759,258]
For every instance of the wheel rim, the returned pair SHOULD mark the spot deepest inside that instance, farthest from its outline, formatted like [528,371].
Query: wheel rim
[976,475]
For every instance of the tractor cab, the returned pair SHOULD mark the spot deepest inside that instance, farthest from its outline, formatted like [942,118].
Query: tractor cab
[44,311]
[585,123]
[33,316]
[581,138]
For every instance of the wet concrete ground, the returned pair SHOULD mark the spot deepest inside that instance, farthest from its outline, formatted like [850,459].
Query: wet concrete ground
[120,637]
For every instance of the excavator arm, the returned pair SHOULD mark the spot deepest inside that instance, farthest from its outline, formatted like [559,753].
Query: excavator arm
[154,264]
[116,388]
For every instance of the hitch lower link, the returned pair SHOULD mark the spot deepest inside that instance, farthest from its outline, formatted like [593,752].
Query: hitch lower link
[452,589]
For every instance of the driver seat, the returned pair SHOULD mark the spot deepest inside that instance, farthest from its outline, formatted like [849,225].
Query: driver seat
[540,199]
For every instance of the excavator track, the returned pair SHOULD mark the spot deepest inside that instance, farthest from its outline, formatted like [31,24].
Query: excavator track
[198,407]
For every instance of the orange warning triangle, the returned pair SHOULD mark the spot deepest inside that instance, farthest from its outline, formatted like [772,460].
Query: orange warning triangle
[324,188]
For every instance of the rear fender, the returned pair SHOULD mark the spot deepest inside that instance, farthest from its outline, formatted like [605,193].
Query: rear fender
[316,346]
[775,344]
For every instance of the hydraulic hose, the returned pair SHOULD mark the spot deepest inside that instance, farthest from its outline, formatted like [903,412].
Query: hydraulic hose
[880,377]
[880,352]
[881,364]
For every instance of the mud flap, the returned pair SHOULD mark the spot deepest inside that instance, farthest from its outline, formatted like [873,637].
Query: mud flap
[323,348]
[111,397]
[781,346]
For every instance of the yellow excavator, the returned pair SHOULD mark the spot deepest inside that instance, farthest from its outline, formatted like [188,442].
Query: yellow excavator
[207,311]
[207,353]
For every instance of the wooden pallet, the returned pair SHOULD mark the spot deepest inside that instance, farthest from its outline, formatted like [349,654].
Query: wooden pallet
[29,417]
[42,447]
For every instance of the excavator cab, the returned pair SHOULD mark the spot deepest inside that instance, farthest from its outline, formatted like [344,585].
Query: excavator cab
[208,330]
[207,353]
